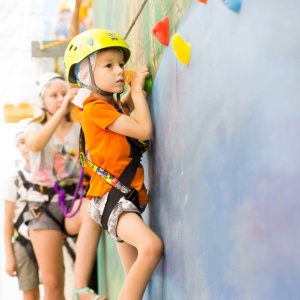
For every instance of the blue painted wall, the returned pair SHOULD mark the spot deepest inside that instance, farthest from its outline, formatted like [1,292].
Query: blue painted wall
[224,163]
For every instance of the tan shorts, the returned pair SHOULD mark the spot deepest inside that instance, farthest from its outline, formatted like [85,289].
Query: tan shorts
[96,208]
[27,269]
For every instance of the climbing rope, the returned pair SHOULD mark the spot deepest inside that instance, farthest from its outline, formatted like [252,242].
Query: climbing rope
[135,19]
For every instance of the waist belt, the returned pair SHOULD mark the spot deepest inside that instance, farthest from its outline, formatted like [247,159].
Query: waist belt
[49,191]
[35,212]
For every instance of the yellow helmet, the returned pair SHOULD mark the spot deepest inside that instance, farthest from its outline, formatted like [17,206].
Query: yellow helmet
[88,42]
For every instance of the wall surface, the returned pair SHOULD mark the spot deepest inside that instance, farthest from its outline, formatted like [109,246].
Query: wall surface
[224,162]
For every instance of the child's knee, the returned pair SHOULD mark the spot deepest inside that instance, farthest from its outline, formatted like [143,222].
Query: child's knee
[160,248]
[154,248]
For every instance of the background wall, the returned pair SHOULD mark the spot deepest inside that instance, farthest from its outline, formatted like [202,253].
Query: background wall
[224,162]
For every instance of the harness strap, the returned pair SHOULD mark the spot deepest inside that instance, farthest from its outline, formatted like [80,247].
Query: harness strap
[20,238]
[120,187]
[27,245]
[115,194]
[109,178]
[26,183]
[20,219]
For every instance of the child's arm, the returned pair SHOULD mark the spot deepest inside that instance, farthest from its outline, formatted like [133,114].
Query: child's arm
[36,141]
[140,125]
[75,20]
[11,265]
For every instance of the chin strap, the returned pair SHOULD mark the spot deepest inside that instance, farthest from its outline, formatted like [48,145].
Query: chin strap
[120,104]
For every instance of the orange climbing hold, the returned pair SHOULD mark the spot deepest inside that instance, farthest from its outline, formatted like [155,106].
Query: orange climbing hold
[161,31]
[203,1]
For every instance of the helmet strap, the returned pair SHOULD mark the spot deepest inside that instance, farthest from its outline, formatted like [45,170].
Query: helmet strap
[119,103]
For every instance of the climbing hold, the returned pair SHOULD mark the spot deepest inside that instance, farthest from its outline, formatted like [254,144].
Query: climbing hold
[234,5]
[181,48]
[148,85]
[203,1]
[161,31]
[128,76]
[148,81]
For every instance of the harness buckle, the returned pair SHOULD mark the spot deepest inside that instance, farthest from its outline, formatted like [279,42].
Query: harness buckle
[42,189]
[32,213]
[131,194]
[35,212]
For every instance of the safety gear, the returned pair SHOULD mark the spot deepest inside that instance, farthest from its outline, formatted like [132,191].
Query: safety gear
[41,84]
[85,69]
[121,186]
[86,43]
[20,130]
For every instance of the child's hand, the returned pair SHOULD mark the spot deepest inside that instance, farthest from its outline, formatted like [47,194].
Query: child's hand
[138,78]
[66,105]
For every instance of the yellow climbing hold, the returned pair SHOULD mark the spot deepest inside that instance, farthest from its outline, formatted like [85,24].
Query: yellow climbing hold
[181,48]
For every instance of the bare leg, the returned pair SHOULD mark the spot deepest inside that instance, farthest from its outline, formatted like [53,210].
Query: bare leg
[128,255]
[33,294]
[86,246]
[139,264]
[47,246]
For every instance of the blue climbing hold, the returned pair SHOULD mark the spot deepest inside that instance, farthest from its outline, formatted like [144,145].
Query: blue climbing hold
[234,5]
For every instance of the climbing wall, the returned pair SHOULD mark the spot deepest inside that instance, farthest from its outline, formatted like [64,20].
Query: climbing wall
[224,167]
[135,21]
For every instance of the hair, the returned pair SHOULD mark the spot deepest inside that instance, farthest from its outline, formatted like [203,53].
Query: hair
[43,117]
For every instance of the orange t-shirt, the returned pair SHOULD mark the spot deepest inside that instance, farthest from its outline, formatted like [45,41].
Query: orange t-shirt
[107,149]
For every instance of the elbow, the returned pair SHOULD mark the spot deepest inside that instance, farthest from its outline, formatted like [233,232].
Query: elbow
[147,133]
[150,134]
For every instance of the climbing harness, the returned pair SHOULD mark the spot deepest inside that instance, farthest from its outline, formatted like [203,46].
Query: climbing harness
[120,186]
[25,242]
[35,212]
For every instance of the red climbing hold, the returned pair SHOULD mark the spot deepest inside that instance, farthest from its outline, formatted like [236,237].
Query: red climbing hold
[161,31]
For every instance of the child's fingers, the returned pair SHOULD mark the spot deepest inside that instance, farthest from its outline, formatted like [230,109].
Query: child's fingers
[142,68]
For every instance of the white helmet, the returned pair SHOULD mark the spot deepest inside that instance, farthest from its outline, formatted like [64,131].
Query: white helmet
[20,129]
[40,85]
